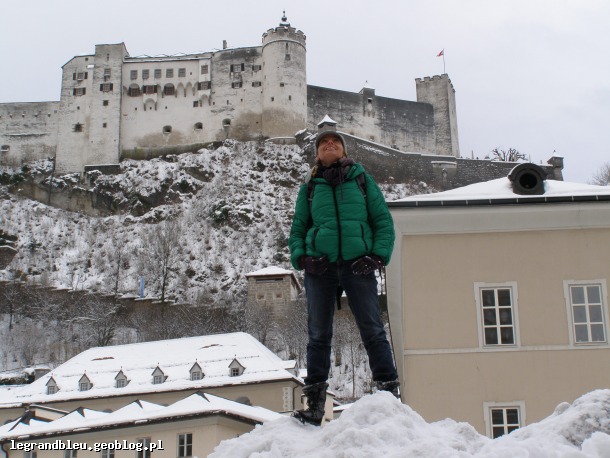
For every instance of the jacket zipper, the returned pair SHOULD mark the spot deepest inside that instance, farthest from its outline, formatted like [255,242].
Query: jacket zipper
[340,249]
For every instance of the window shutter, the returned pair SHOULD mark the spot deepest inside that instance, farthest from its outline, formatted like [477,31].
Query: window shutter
[101,87]
[86,74]
[73,76]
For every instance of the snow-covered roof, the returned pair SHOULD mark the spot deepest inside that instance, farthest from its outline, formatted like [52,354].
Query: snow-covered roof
[500,191]
[271,270]
[198,404]
[213,353]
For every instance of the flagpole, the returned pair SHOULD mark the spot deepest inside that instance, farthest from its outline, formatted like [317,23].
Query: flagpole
[444,62]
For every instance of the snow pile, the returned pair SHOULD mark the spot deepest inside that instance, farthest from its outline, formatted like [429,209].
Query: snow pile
[379,425]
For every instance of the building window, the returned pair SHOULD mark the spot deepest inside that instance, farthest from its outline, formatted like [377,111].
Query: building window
[78,127]
[195,103]
[205,69]
[503,420]
[84,386]
[70,453]
[169,73]
[587,312]
[166,130]
[181,72]
[256,84]
[185,445]
[133,74]
[51,389]
[134,91]
[281,84]
[107,73]
[287,57]
[106,87]
[198,126]
[169,89]
[30,454]
[104,125]
[78,91]
[235,68]
[157,73]
[236,84]
[145,74]
[196,375]
[149,89]
[202,85]
[5,148]
[144,448]
[234,372]
[80,76]
[497,315]
[256,68]
[107,454]
[121,382]
[105,103]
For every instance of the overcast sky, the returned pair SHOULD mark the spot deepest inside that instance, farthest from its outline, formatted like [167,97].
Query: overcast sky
[529,74]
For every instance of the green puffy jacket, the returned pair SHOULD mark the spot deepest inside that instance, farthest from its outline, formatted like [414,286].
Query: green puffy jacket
[342,223]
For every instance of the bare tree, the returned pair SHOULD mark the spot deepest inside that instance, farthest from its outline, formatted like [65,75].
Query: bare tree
[602,176]
[512,155]
[292,329]
[346,331]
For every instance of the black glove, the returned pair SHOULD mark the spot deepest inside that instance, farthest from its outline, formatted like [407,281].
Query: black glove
[367,264]
[315,266]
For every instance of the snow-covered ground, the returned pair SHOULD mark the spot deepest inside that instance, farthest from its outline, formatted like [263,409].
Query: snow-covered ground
[380,426]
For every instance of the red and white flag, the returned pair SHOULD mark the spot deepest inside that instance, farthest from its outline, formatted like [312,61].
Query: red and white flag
[442,53]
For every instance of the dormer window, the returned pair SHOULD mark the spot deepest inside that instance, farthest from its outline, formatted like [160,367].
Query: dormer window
[121,380]
[52,387]
[196,372]
[158,376]
[235,368]
[84,384]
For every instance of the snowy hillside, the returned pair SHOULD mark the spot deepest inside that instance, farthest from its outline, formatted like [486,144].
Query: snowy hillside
[380,426]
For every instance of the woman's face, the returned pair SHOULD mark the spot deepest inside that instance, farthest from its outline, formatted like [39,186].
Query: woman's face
[330,150]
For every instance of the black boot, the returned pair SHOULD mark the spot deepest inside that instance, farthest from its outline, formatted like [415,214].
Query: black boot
[391,386]
[316,398]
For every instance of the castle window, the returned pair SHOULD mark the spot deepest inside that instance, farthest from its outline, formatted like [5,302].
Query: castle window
[168,89]
[226,123]
[77,91]
[181,72]
[133,74]
[167,129]
[157,73]
[145,74]
[202,85]
[5,148]
[78,127]
[106,87]
[289,97]
[134,91]
[256,84]
[107,73]
[237,68]
[272,99]
[256,68]
[79,76]
[150,89]
[195,103]
[205,69]
[198,126]
[105,103]
[236,84]
[287,57]
[169,73]
[104,125]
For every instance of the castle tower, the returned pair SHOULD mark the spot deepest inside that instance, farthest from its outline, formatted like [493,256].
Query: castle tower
[284,81]
[438,91]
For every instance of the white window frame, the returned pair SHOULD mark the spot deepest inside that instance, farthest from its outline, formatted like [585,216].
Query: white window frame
[601,283]
[107,453]
[512,285]
[488,406]
[145,441]
[182,449]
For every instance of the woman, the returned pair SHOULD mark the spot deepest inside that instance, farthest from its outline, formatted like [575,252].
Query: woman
[341,233]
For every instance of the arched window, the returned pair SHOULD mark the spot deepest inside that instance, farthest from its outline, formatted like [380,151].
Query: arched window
[134,91]
[169,89]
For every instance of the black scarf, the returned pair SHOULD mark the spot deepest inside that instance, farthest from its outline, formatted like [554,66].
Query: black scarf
[335,174]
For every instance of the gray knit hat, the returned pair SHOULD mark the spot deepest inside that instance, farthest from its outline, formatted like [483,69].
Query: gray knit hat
[329,127]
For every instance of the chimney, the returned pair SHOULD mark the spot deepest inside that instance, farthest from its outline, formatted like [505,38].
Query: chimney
[527,179]
[224,44]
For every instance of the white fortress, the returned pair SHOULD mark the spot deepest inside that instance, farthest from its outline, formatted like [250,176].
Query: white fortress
[114,106]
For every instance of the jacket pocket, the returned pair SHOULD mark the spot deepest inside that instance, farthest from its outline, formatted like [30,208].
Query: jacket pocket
[313,238]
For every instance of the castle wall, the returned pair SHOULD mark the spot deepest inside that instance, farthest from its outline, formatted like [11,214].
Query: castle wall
[28,132]
[404,125]
[439,92]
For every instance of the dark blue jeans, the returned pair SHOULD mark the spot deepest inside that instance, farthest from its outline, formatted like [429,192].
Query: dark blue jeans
[361,291]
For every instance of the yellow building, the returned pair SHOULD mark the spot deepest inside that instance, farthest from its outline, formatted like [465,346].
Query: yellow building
[498,301]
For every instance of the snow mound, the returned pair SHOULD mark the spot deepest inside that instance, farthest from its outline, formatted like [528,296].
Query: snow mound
[379,425]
